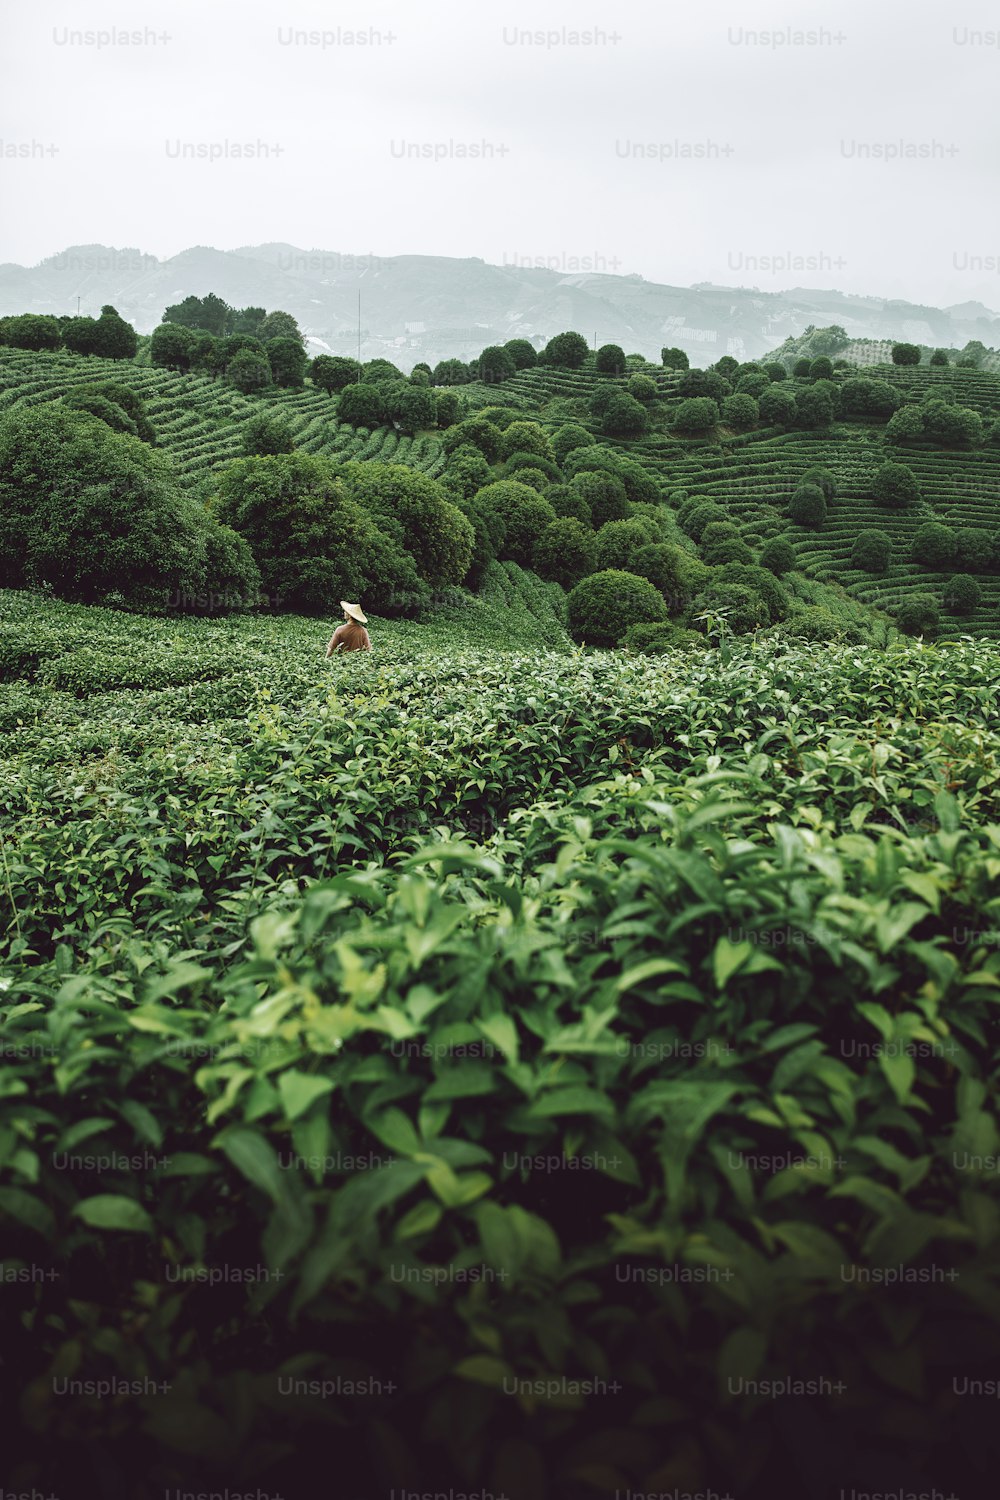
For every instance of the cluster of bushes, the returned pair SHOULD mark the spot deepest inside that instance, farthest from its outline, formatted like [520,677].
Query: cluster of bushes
[117,405]
[109,336]
[249,363]
[94,514]
[972,549]
[938,419]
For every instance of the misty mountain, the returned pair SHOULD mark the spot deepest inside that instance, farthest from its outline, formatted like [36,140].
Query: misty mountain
[431,307]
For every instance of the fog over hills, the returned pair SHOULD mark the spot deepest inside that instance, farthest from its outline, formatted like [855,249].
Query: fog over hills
[432,307]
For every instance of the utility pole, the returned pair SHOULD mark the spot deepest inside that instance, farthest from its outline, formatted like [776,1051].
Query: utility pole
[359,336]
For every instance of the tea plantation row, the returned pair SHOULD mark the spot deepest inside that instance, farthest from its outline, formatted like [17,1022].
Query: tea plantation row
[493,1066]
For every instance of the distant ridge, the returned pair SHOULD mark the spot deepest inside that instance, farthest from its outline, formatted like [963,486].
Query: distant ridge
[432,307]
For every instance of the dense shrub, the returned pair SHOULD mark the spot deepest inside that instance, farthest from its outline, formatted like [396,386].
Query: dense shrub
[973,549]
[704,513]
[660,638]
[566,349]
[962,594]
[312,543]
[250,372]
[331,372]
[417,513]
[726,549]
[268,433]
[869,398]
[485,436]
[676,573]
[602,607]
[618,542]
[88,511]
[565,551]
[567,437]
[918,614]
[699,414]
[807,506]
[896,486]
[605,494]
[871,551]
[566,500]
[130,402]
[740,412]
[904,424]
[742,608]
[812,622]
[526,437]
[641,387]
[934,545]
[778,556]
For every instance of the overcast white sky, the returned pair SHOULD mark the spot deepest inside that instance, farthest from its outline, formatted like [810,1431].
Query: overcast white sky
[102,131]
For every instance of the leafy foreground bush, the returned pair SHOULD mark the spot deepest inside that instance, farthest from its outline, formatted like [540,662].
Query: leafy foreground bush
[603,606]
[672,1078]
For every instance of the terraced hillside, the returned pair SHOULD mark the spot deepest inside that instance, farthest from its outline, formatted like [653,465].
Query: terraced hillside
[752,475]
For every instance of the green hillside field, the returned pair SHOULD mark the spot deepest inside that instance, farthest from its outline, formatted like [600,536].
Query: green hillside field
[492,1064]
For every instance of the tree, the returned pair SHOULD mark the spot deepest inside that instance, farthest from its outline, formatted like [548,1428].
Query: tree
[822,477]
[696,416]
[279,325]
[642,388]
[869,397]
[361,406]
[525,437]
[776,371]
[905,424]
[953,426]
[79,335]
[312,543]
[813,409]
[801,368]
[619,541]
[267,434]
[495,365]
[896,486]
[940,357]
[676,574]
[482,435]
[412,408]
[522,353]
[754,384]
[610,360]
[447,408]
[518,462]
[778,556]
[565,551]
[131,402]
[777,406]
[418,514]
[704,383]
[249,371]
[906,354]
[973,549]
[807,506]
[743,608]
[525,514]
[601,607]
[89,511]
[918,615]
[170,346]
[821,368]
[332,373]
[566,349]
[467,472]
[727,367]
[962,594]
[288,362]
[210,314]
[871,551]
[450,372]
[740,412]
[604,494]
[34,332]
[625,417]
[571,435]
[934,545]
[674,359]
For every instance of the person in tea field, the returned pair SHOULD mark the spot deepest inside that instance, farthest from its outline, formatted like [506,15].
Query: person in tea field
[352,635]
